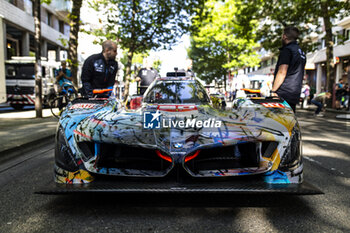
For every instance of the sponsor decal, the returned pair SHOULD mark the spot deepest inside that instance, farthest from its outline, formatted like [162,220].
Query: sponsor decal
[178,145]
[87,106]
[154,120]
[177,108]
[273,105]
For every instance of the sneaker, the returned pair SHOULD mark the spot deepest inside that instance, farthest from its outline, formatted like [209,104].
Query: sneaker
[319,115]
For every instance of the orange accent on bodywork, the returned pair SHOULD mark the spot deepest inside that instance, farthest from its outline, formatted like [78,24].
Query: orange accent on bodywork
[101,91]
[251,90]
[188,158]
[81,134]
[165,157]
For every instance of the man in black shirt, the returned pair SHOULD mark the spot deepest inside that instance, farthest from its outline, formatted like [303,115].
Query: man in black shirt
[146,76]
[290,67]
[99,70]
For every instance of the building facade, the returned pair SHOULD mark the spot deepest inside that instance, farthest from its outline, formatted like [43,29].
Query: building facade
[18,28]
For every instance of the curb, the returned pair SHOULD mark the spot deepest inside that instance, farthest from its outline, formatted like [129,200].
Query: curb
[17,151]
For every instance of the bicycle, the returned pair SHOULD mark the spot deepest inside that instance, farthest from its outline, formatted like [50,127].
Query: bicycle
[68,94]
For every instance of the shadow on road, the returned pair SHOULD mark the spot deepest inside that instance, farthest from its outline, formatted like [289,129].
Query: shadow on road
[105,201]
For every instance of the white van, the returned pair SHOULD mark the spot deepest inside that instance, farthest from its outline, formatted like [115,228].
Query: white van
[20,81]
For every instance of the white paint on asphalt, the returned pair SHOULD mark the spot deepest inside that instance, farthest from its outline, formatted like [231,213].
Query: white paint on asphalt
[320,164]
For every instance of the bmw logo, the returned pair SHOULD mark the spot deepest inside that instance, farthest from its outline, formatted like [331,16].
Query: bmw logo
[178,145]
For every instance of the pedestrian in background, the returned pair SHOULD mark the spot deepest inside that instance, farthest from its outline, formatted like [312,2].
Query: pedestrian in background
[289,71]
[339,92]
[240,82]
[63,76]
[64,80]
[146,75]
[320,101]
[305,92]
[346,96]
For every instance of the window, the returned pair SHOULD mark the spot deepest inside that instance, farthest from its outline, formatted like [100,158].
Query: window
[49,19]
[10,70]
[12,2]
[177,92]
[61,26]
[347,34]
[28,6]
[335,39]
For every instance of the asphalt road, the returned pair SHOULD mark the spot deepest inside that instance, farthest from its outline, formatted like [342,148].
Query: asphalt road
[327,162]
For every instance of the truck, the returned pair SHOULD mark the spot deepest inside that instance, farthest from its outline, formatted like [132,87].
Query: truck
[20,81]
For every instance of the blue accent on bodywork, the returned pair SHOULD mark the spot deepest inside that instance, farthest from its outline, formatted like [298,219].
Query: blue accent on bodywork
[286,104]
[276,177]
[97,149]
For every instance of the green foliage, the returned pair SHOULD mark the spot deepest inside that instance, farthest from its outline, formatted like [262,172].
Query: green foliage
[63,41]
[48,2]
[274,15]
[143,25]
[137,61]
[156,64]
[220,41]
[216,102]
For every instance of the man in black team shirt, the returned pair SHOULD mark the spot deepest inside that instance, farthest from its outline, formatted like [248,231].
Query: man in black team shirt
[99,70]
[146,76]
[290,67]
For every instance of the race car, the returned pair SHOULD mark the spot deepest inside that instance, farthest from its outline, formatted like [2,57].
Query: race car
[176,141]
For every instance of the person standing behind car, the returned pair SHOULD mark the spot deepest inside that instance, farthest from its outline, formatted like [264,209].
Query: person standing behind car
[305,92]
[99,70]
[146,76]
[64,79]
[290,68]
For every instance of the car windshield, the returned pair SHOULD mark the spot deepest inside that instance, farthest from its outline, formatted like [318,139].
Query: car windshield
[177,91]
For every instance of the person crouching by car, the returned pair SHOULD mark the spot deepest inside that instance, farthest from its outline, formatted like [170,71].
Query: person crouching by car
[320,101]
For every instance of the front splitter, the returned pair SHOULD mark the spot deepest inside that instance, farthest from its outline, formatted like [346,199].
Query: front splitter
[203,187]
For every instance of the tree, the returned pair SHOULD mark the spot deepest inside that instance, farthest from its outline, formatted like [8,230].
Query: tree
[38,74]
[208,61]
[274,15]
[75,22]
[219,42]
[137,61]
[141,25]
[157,64]
[73,46]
